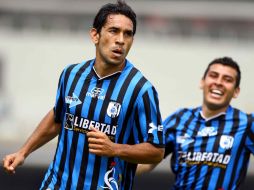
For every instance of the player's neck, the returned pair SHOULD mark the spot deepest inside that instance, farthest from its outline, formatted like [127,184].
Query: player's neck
[210,113]
[104,70]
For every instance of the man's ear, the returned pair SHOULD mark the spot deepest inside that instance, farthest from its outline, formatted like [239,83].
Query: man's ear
[94,35]
[236,92]
[201,84]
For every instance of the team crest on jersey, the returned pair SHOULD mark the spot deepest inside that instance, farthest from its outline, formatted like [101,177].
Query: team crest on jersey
[226,142]
[113,109]
[72,100]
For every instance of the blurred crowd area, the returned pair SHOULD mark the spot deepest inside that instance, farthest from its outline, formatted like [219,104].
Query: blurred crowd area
[230,19]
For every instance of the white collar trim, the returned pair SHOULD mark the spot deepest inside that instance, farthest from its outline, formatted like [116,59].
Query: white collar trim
[101,78]
[209,118]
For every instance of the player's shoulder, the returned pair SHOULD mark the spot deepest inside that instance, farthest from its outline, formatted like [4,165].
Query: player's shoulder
[187,111]
[142,81]
[182,113]
[74,67]
[238,113]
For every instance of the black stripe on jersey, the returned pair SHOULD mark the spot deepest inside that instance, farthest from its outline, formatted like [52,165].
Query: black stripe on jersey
[78,110]
[251,136]
[57,119]
[203,149]
[173,128]
[221,128]
[97,158]
[97,163]
[107,97]
[191,149]
[64,153]
[148,112]
[240,179]
[83,167]
[186,126]
[120,98]
[123,90]
[122,93]
[160,133]
[170,130]
[49,179]
[59,105]
[140,137]
[234,128]
[131,168]
[75,137]
[156,100]
[250,132]
[134,95]
[62,161]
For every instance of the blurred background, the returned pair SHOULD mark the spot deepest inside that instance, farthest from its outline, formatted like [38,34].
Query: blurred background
[175,41]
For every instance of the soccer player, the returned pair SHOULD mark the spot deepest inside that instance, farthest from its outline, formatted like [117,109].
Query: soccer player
[106,114]
[210,144]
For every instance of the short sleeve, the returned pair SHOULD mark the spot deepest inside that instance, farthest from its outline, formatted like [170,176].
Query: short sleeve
[250,135]
[169,125]
[148,118]
[59,102]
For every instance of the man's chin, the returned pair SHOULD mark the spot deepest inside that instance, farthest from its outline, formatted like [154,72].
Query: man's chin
[215,106]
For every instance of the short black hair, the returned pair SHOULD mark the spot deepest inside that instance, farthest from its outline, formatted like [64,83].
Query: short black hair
[120,7]
[227,61]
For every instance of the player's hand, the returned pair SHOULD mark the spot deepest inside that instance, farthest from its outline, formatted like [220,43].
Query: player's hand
[11,161]
[100,144]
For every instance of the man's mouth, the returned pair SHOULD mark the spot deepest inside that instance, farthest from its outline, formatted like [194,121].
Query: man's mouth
[216,92]
[118,52]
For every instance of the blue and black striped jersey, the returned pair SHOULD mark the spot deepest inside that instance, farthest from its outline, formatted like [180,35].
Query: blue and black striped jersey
[209,154]
[123,105]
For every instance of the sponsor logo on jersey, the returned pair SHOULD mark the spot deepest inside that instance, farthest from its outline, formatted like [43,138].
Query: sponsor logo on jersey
[184,140]
[96,93]
[152,127]
[226,142]
[206,158]
[113,109]
[83,125]
[72,100]
[69,120]
[207,131]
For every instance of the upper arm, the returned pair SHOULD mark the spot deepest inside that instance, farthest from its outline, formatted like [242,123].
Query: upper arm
[148,118]
[169,125]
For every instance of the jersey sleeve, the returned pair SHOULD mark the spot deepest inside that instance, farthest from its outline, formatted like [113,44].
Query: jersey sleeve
[250,136]
[60,98]
[170,124]
[148,118]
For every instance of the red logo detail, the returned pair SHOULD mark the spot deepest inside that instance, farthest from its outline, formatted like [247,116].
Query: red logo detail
[114,163]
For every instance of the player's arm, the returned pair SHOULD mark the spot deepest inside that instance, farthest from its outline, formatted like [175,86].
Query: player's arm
[45,131]
[144,153]
[101,145]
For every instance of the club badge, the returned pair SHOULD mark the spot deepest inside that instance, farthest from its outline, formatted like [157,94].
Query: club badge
[113,109]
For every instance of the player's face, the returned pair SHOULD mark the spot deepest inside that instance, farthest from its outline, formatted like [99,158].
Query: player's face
[219,87]
[114,41]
